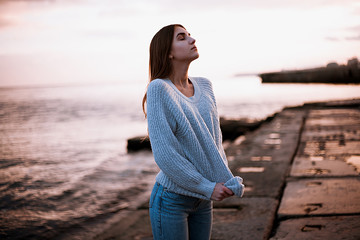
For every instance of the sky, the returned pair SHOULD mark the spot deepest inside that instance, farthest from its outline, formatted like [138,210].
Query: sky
[107,41]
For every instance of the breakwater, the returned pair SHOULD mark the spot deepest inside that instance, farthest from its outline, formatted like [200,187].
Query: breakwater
[301,172]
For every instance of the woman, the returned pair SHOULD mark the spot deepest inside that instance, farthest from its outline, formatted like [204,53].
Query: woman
[186,140]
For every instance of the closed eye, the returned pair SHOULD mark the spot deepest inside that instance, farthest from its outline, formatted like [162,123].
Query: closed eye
[180,36]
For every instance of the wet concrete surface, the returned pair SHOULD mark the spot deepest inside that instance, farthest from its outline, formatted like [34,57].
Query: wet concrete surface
[321,199]
[315,196]
[252,214]
[263,158]
[301,172]
[332,227]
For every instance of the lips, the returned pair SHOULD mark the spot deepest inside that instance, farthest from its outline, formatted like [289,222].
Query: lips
[194,48]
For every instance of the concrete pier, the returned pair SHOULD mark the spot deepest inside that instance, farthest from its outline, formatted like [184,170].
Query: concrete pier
[321,199]
[301,172]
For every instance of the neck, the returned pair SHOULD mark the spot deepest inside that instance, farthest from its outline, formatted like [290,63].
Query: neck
[179,75]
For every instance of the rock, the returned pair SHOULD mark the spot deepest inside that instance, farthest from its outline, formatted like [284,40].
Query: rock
[138,143]
[233,128]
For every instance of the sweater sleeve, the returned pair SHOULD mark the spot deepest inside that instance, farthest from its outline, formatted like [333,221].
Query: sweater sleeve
[235,184]
[166,148]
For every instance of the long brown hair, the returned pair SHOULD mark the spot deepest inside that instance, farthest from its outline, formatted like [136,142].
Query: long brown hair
[159,61]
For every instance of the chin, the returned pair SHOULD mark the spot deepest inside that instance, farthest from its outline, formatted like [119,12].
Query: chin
[196,56]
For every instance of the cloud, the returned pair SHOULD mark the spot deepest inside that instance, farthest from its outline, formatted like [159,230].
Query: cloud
[355,33]
[4,22]
[12,11]
[103,33]
[355,28]
[254,4]
[334,39]
[354,38]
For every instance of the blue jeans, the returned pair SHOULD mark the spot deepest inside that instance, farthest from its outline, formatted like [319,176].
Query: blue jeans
[174,216]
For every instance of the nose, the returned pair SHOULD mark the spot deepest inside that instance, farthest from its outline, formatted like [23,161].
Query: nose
[192,40]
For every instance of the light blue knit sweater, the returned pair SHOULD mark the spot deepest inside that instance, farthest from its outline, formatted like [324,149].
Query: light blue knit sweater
[186,139]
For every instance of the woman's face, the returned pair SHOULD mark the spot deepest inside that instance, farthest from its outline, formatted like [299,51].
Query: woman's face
[183,46]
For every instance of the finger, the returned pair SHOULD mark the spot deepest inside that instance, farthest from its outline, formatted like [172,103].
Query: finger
[225,195]
[228,191]
[217,199]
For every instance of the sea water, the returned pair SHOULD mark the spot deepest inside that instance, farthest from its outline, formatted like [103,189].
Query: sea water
[63,159]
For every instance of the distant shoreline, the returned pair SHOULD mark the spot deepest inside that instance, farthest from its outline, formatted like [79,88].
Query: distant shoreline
[332,73]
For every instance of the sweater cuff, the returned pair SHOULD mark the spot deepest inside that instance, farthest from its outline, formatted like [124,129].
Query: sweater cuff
[235,185]
[208,189]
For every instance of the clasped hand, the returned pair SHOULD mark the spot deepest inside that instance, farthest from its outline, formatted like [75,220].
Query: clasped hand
[221,192]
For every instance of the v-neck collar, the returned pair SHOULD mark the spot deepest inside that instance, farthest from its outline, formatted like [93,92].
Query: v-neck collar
[197,91]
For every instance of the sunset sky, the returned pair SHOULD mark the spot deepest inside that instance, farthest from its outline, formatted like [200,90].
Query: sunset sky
[87,41]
